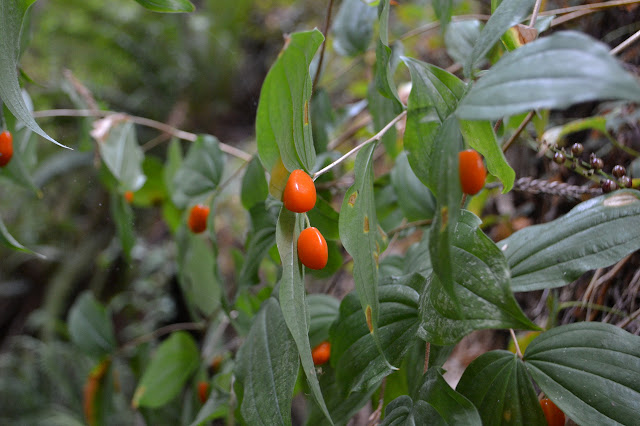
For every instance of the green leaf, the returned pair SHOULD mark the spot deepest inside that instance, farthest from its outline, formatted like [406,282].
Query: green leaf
[123,218]
[8,240]
[498,385]
[324,120]
[481,285]
[90,326]
[325,218]
[445,161]
[266,368]
[454,408]
[552,72]
[261,241]
[123,156]
[590,370]
[342,406]
[359,365]
[17,169]
[506,15]
[216,406]
[404,411]
[594,234]
[415,199]
[353,27]
[168,6]
[12,16]
[254,184]
[361,236]
[383,110]
[292,296]
[443,10]
[175,360]
[460,38]
[197,272]
[199,173]
[434,97]
[323,310]
[283,122]
[480,136]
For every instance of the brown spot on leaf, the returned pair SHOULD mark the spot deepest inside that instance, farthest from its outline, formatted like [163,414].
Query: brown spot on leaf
[306,113]
[367,313]
[352,198]
[366,224]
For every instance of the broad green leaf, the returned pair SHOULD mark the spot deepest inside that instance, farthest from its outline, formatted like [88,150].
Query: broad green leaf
[481,285]
[323,310]
[123,217]
[168,6]
[173,163]
[154,189]
[17,170]
[197,272]
[506,15]
[254,184]
[342,405]
[404,411]
[361,236]
[595,234]
[498,385]
[325,218]
[418,259]
[12,17]
[353,27]
[266,368]
[454,408]
[8,240]
[123,156]
[175,360]
[434,96]
[283,127]
[354,354]
[415,199]
[386,56]
[199,173]
[448,142]
[590,370]
[552,72]
[293,297]
[90,326]
[460,38]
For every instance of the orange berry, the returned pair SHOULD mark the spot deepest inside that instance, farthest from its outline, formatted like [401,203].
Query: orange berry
[198,218]
[312,249]
[554,416]
[203,391]
[321,353]
[472,172]
[6,148]
[299,193]
[128,196]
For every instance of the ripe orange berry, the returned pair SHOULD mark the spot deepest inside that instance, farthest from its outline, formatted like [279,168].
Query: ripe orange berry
[321,353]
[312,249]
[300,192]
[6,148]
[128,196]
[554,416]
[198,218]
[203,391]
[472,172]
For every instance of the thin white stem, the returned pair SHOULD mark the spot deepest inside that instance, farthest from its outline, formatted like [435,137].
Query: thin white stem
[515,342]
[357,148]
[534,15]
[181,134]
[625,43]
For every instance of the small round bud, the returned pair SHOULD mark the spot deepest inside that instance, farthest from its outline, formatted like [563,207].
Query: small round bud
[596,163]
[625,182]
[577,149]
[558,158]
[619,171]
[608,185]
